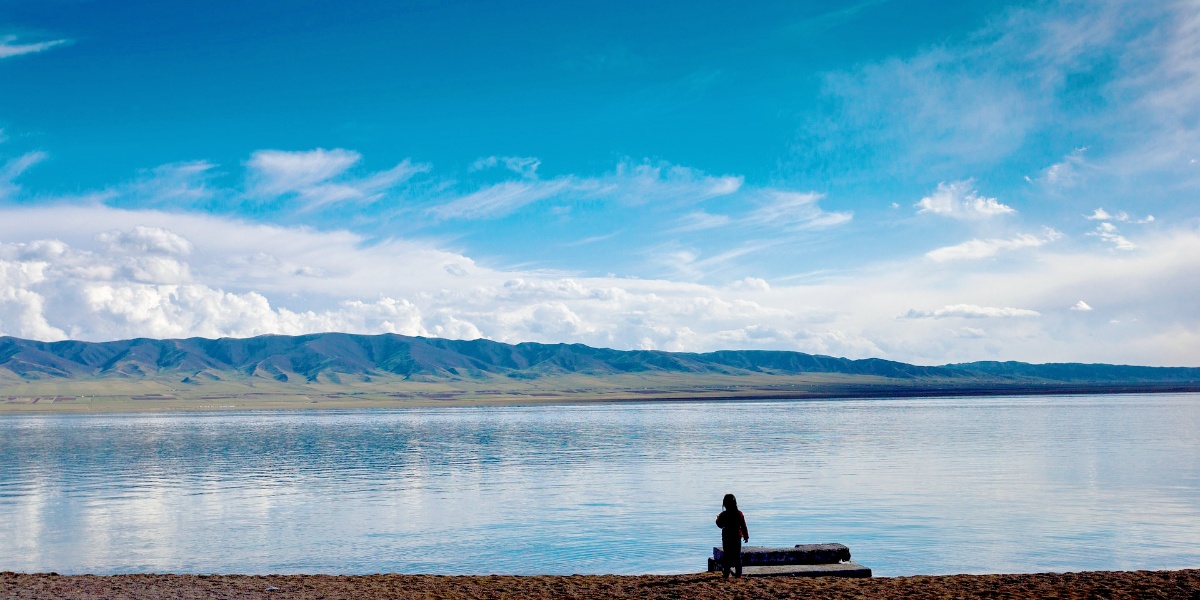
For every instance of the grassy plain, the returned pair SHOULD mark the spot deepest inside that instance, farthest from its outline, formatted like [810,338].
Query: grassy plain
[83,395]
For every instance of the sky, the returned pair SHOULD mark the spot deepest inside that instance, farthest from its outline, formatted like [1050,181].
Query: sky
[919,181]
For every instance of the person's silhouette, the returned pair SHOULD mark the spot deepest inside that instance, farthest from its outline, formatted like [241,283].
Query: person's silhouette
[733,530]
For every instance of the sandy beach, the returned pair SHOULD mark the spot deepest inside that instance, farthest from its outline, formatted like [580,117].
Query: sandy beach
[1182,585]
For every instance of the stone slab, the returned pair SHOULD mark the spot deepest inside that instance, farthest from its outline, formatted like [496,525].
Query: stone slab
[800,554]
[846,569]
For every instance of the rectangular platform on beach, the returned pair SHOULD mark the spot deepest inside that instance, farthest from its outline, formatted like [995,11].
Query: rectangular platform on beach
[800,554]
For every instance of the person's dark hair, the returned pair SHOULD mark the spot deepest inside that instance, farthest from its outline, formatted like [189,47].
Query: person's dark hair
[730,503]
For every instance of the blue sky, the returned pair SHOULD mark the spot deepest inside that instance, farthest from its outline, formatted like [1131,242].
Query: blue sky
[916,181]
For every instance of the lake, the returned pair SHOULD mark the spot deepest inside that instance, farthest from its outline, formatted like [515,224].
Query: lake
[912,486]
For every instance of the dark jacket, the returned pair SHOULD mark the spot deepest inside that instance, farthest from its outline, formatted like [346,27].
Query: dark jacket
[733,528]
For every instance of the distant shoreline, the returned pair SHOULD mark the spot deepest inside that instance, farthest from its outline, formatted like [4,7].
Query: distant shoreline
[12,402]
[342,370]
[1180,584]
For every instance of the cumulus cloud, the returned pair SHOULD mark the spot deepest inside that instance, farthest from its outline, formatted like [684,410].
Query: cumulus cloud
[1102,215]
[1081,306]
[1109,233]
[959,200]
[22,310]
[182,275]
[970,311]
[317,177]
[977,249]
[752,284]
[9,47]
[173,311]
[60,278]
[142,240]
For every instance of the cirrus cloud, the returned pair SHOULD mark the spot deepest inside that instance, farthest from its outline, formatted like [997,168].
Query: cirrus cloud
[985,248]
[9,47]
[316,177]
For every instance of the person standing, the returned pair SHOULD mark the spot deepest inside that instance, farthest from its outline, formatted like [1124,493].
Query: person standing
[733,530]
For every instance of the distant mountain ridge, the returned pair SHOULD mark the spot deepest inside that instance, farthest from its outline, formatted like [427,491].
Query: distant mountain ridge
[330,357]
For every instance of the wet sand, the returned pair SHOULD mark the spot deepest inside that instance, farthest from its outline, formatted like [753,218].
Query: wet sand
[1183,585]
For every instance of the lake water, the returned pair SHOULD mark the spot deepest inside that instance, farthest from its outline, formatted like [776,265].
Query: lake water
[911,485]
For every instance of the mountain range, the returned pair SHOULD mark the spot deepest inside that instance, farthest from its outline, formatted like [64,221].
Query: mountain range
[334,358]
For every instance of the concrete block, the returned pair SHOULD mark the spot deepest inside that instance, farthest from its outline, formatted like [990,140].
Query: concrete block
[800,554]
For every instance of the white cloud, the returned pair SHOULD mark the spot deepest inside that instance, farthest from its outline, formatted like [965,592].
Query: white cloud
[958,200]
[977,249]
[592,239]
[700,220]
[936,107]
[689,263]
[1066,173]
[22,311]
[1081,306]
[970,333]
[506,197]
[316,176]
[278,172]
[1109,233]
[9,48]
[795,211]
[145,240]
[630,183]
[16,166]
[525,166]
[238,279]
[1102,215]
[638,183]
[1118,74]
[970,311]
[59,279]
[776,210]
[180,184]
[753,284]
[13,169]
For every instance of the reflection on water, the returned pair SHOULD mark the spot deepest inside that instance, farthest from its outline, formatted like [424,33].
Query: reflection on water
[912,486]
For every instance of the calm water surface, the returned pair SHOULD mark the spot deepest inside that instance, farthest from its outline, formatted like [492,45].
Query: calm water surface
[912,486]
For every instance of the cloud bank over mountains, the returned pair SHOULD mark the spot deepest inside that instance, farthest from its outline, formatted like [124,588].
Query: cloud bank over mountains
[90,275]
